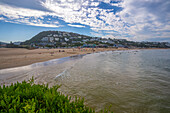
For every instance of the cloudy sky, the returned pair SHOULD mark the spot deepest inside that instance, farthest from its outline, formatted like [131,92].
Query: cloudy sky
[137,20]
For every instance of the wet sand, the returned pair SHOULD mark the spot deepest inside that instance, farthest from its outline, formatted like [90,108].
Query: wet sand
[15,57]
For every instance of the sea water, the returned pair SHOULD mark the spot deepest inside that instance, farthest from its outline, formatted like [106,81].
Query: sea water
[131,81]
[135,81]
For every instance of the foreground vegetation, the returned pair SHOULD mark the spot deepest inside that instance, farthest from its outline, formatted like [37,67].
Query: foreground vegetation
[32,98]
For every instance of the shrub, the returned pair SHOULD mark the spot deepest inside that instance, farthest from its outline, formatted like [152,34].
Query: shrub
[28,97]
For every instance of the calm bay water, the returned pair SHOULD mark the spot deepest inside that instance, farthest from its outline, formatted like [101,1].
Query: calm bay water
[134,81]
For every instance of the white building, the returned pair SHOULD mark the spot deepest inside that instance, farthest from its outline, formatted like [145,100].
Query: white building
[69,34]
[64,34]
[79,37]
[110,42]
[17,43]
[50,35]
[64,43]
[167,44]
[84,37]
[51,39]
[55,35]
[66,39]
[72,37]
[56,39]
[44,39]
[93,39]
[60,36]
[104,41]
[73,42]
[85,40]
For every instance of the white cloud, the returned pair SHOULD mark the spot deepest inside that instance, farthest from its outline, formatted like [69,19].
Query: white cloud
[2,18]
[145,17]
[106,1]
[15,12]
[139,19]
[75,25]
[26,16]
[43,25]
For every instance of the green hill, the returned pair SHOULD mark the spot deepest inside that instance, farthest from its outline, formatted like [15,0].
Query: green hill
[61,35]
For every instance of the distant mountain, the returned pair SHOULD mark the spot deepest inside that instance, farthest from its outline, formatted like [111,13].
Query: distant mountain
[54,37]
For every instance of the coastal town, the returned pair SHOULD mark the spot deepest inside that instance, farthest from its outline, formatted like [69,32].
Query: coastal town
[49,45]
[61,39]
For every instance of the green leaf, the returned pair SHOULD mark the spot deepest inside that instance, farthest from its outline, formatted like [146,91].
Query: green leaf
[3,104]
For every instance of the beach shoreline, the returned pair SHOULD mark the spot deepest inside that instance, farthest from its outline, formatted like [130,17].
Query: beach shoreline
[16,57]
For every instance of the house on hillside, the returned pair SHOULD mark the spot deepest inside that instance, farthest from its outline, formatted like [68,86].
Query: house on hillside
[44,39]
[61,40]
[73,42]
[2,45]
[110,42]
[89,46]
[72,37]
[167,44]
[55,35]
[103,41]
[66,39]
[50,35]
[93,39]
[85,40]
[56,39]
[64,34]
[63,43]
[103,46]
[17,43]
[69,34]
[120,40]
[60,35]
[119,45]
[51,39]
[79,37]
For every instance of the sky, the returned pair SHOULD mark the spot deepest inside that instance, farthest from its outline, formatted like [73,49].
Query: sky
[136,20]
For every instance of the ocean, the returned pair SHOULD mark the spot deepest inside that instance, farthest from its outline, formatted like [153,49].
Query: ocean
[130,81]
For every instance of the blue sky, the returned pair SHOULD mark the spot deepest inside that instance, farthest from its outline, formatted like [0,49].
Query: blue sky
[137,20]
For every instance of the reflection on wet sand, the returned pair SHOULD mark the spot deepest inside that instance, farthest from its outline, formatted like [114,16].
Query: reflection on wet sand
[44,72]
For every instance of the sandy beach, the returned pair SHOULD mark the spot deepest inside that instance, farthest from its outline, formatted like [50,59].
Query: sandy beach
[15,57]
